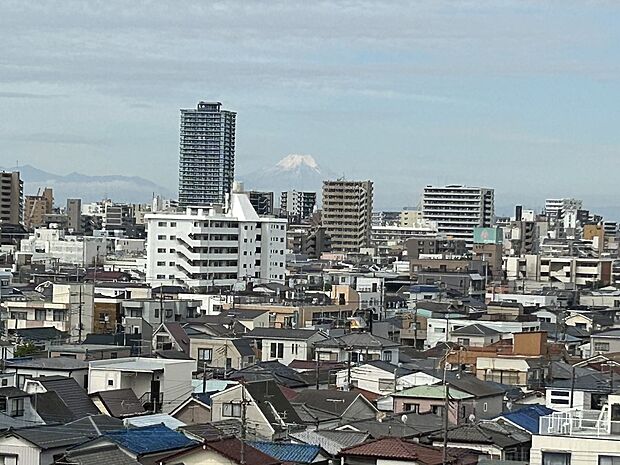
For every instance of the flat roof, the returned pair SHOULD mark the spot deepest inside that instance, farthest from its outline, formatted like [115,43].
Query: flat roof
[137,364]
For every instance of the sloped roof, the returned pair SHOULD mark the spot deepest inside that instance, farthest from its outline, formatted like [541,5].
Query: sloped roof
[10,392]
[55,363]
[149,439]
[358,340]
[121,402]
[436,391]
[331,441]
[51,408]
[231,448]
[528,417]
[281,333]
[70,392]
[287,452]
[475,330]
[41,334]
[269,398]
[105,454]
[503,435]
[397,449]
[390,368]
[177,332]
[416,425]
[333,402]
[271,370]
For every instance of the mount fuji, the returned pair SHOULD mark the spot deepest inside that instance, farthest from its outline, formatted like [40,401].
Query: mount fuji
[295,171]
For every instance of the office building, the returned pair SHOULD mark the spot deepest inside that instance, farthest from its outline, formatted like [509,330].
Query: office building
[207,154]
[11,198]
[36,207]
[297,206]
[458,209]
[216,246]
[347,214]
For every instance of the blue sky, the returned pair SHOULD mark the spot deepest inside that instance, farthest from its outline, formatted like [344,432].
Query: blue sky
[520,96]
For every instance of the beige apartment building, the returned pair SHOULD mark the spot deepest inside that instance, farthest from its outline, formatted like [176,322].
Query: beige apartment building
[11,198]
[347,214]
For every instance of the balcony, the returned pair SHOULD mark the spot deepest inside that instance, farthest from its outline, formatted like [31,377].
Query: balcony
[580,423]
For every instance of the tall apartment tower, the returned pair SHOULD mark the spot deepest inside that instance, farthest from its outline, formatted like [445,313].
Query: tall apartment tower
[457,209]
[347,214]
[297,205]
[11,198]
[74,213]
[207,154]
[36,207]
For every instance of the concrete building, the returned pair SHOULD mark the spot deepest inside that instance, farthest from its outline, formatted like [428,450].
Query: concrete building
[410,217]
[262,202]
[458,209]
[36,207]
[207,154]
[297,205]
[347,214]
[74,213]
[11,198]
[216,246]
[52,245]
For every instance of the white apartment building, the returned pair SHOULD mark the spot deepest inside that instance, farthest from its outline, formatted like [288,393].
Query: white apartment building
[215,246]
[458,209]
[48,244]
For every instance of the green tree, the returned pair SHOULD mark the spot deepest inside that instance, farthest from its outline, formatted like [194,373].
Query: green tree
[24,350]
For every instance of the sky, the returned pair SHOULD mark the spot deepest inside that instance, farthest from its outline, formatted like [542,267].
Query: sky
[519,96]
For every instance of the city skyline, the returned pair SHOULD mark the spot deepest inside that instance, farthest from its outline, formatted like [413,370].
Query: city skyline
[439,92]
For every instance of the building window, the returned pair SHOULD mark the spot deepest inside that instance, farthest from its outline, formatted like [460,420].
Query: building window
[205,355]
[17,407]
[8,459]
[485,407]
[608,460]
[2,404]
[387,356]
[601,347]
[555,458]
[110,382]
[59,315]
[162,224]
[277,350]
[231,410]
[39,315]
[463,341]
[386,385]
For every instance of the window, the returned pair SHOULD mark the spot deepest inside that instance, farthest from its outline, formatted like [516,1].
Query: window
[110,382]
[161,263]
[277,350]
[231,410]
[439,330]
[205,355]
[601,347]
[162,224]
[161,250]
[2,404]
[113,355]
[415,408]
[386,385]
[17,407]
[387,356]
[173,224]
[555,458]
[608,460]
[161,238]
[59,315]
[6,459]
[485,407]
[463,341]
[39,315]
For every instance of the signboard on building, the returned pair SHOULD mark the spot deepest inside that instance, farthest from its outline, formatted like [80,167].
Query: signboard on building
[488,235]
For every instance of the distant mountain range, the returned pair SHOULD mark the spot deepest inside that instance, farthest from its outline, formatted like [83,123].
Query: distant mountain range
[90,188]
[293,172]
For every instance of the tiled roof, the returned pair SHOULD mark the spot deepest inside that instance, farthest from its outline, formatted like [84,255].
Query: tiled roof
[107,454]
[149,439]
[397,449]
[281,333]
[51,408]
[475,330]
[70,392]
[121,402]
[56,363]
[231,449]
[333,402]
[287,452]
[358,340]
[433,392]
[10,391]
[528,417]
[331,441]
[177,332]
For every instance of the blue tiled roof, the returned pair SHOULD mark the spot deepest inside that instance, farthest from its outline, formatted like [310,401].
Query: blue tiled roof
[528,417]
[285,452]
[148,439]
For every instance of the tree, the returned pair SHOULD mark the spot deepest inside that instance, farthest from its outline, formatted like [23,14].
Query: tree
[24,350]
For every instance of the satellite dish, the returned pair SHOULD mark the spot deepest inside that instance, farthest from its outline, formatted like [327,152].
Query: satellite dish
[472,417]
[404,419]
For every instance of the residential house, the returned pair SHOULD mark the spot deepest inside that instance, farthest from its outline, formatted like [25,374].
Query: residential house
[330,441]
[476,335]
[89,352]
[161,383]
[423,399]
[298,454]
[27,367]
[286,345]
[229,353]
[377,376]
[16,409]
[357,348]
[97,455]
[195,410]
[512,370]
[326,408]
[267,412]
[42,445]
[500,441]
[171,336]
[605,342]
[283,375]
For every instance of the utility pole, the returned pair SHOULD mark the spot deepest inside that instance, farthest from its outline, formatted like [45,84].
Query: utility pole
[243,420]
[317,370]
[204,376]
[445,424]
[80,316]
[349,371]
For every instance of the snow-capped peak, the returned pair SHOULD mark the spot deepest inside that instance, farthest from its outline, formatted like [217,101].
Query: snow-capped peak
[295,161]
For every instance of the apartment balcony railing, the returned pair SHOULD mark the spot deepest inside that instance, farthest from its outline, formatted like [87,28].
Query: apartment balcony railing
[582,423]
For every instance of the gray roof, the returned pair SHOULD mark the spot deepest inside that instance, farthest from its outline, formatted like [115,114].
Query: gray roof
[332,402]
[417,425]
[10,392]
[243,347]
[498,433]
[358,341]
[331,442]
[70,392]
[121,402]
[176,331]
[475,330]
[51,408]
[104,454]
[389,368]
[281,333]
[56,363]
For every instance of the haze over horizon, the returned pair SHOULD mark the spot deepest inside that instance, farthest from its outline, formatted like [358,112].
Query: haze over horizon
[518,96]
